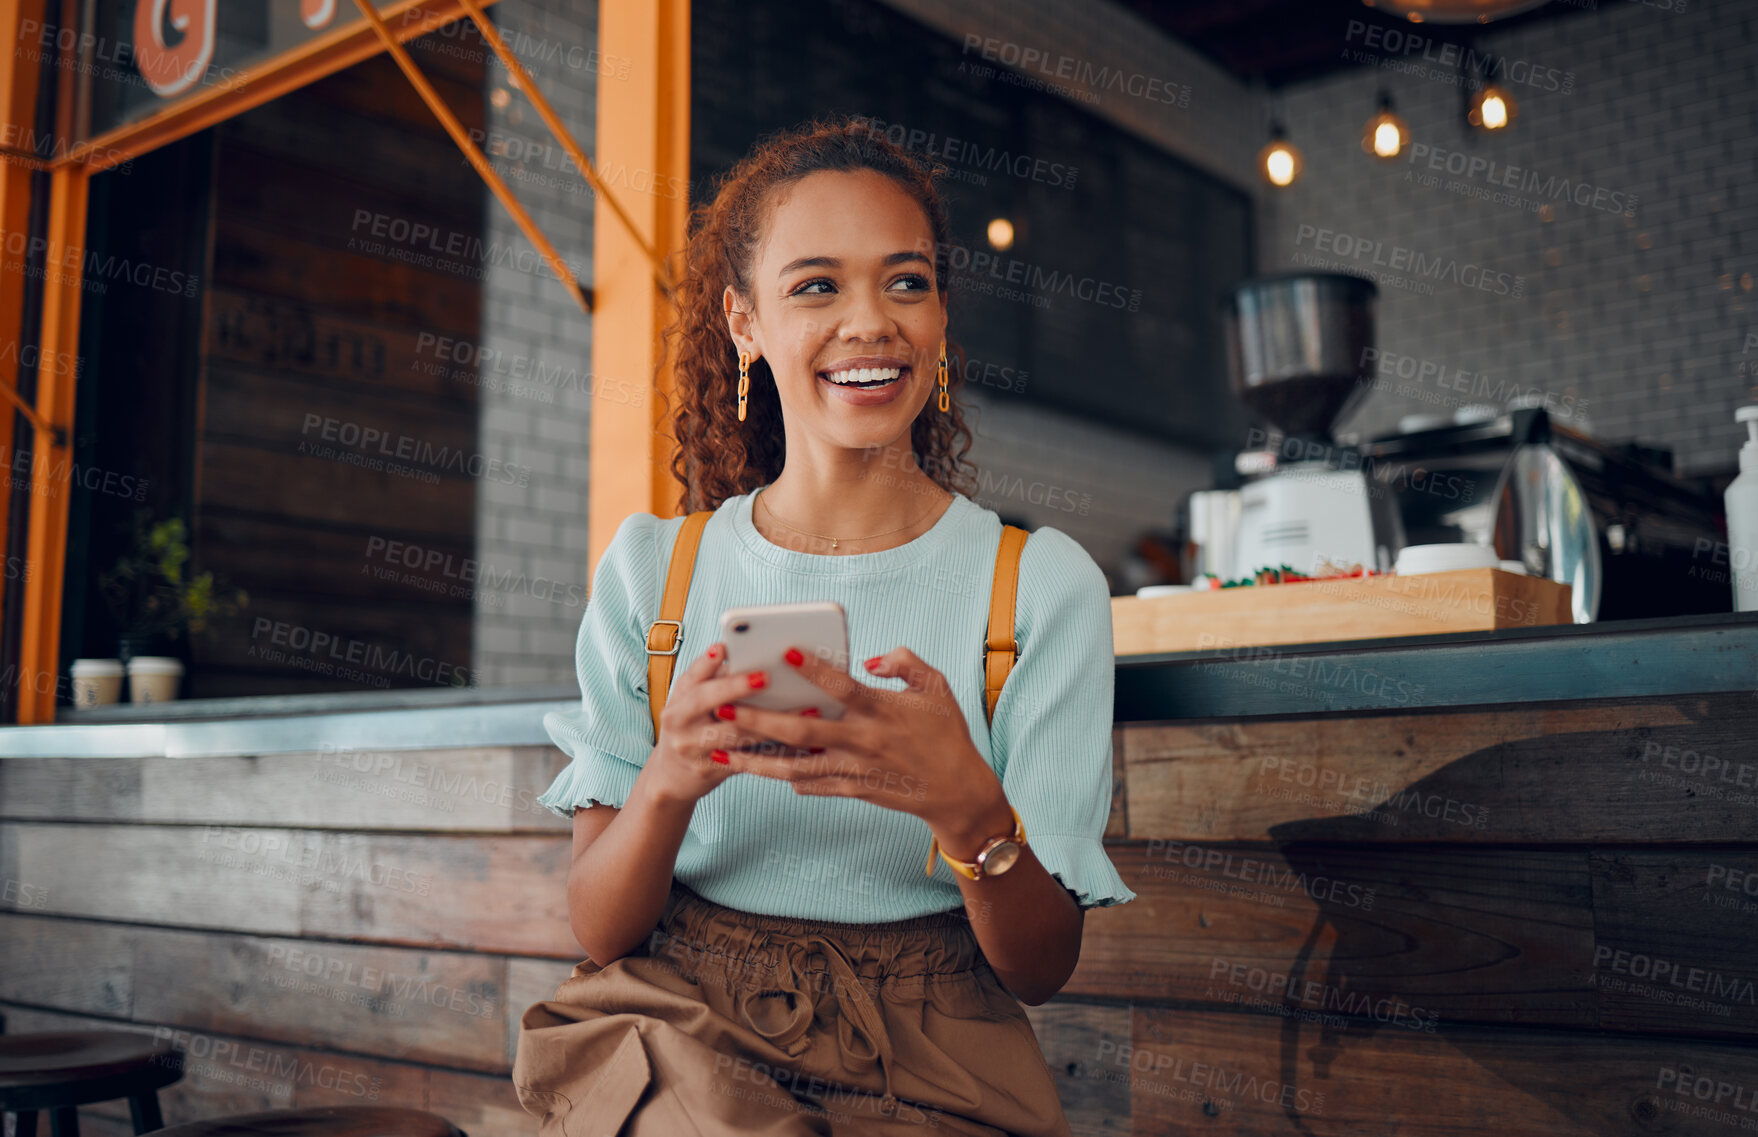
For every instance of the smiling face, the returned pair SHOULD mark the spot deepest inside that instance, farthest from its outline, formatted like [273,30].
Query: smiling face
[844,308]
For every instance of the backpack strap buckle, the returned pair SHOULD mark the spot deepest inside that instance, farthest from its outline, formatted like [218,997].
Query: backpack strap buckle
[661,647]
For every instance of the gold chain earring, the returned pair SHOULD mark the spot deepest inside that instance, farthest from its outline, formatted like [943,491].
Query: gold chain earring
[744,381]
[945,403]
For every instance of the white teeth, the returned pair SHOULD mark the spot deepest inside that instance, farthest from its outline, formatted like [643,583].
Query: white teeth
[864,375]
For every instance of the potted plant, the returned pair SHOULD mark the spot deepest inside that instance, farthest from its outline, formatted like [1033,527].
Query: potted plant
[155,594]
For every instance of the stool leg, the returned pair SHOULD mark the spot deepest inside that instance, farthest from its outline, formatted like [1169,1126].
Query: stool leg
[64,1121]
[143,1109]
[27,1123]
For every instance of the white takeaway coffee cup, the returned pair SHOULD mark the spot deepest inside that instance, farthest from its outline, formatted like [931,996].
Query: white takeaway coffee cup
[153,678]
[96,682]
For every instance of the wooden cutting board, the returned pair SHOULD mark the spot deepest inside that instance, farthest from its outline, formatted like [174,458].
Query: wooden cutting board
[1352,608]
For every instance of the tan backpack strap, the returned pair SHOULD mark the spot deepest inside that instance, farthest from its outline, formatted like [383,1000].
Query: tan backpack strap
[1000,649]
[665,634]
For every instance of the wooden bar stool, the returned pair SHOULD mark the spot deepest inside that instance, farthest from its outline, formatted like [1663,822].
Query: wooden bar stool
[328,1121]
[61,1070]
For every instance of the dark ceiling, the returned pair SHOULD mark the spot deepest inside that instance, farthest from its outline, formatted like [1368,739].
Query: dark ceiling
[1288,41]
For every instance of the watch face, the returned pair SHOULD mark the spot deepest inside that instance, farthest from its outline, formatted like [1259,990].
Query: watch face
[1000,858]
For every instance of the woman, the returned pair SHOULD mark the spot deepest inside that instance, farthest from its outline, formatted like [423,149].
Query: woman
[766,952]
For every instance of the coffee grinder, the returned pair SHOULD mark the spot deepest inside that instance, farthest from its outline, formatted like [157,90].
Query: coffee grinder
[1297,347]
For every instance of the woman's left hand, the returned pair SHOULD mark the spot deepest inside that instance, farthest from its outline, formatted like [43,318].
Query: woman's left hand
[908,750]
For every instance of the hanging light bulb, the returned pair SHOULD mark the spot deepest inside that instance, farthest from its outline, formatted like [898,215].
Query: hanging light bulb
[1001,234]
[1386,134]
[1279,162]
[1492,108]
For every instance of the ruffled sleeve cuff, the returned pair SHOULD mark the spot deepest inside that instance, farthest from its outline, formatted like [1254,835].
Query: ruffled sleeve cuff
[1082,866]
[595,775]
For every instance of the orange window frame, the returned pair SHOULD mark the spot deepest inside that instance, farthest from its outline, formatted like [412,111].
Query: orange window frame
[645,127]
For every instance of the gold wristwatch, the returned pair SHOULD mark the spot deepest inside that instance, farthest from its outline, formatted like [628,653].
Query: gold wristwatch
[997,855]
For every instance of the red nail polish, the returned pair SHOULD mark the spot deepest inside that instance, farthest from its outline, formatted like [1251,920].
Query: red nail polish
[794,657]
[758,679]
[811,713]
[725,710]
[713,653]
[721,757]
[875,662]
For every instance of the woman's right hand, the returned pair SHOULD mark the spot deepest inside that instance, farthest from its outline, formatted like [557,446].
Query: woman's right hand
[682,768]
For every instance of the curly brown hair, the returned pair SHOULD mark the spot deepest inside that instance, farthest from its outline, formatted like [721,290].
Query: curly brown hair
[717,456]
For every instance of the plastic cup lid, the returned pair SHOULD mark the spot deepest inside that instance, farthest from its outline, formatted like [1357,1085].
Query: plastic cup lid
[96,668]
[155,665]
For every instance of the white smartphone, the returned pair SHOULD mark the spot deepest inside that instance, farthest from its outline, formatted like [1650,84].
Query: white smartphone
[756,637]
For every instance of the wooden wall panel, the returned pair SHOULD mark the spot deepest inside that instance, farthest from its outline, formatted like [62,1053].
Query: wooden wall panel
[1072,1035]
[1626,771]
[359,571]
[364,647]
[443,1008]
[326,209]
[1533,978]
[1480,935]
[96,789]
[279,416]
[226,1074]
[321,296]
[68,965]
[257,259]
[305,130]
[480,789]
[299,342]
[416,890]
[1117,824]
[1629,940]
[318,488]
[531,981]
[1255,1075]
[1677,949]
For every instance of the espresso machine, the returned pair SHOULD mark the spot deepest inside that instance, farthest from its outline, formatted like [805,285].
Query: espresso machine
[1298,349]
[1610,520]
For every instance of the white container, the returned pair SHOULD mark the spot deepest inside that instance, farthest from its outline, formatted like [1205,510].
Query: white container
[96,682]
[1742,517]
[1416,559]
[1214,529]
[153,678]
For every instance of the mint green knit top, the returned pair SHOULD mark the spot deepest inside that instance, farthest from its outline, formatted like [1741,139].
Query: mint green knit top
[755,845]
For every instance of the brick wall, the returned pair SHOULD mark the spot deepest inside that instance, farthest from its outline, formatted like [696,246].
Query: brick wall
[536,353]
[1636,315]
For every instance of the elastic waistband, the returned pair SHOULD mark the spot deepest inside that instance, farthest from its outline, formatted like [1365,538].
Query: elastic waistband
[939,943]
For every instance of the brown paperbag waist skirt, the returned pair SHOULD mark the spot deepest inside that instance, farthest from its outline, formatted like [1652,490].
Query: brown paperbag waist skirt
[726,1023]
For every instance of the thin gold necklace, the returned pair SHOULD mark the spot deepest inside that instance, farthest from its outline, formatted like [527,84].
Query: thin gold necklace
[835,540]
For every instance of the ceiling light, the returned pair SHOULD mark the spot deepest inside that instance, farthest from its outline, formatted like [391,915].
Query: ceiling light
[1454,11]
[1385,135]
[1279,162]
[1001,233]
[1492,108]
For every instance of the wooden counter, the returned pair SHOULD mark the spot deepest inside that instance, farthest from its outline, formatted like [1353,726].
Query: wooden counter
[1399,907]
[1470,883]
